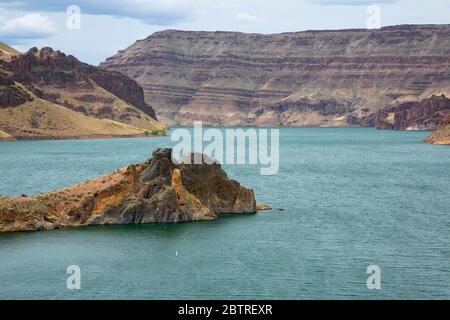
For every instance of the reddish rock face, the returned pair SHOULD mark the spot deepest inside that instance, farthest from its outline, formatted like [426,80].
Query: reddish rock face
[47,67]
[10,94]
[411,115]
[47,94]
[156,190]
[304,78]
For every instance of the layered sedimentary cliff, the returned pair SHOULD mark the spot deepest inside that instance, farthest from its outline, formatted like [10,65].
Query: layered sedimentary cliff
[411,115]
[45,93]
[329,78]
[156,190]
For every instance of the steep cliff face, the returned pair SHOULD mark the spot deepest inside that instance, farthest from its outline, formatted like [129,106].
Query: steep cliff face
[156,190]
[411,115]
[11,94]
[45,93]
[53,69]
[304,78]
[442,134]
[121,86]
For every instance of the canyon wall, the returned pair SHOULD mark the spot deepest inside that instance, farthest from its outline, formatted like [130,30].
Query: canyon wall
[319,78]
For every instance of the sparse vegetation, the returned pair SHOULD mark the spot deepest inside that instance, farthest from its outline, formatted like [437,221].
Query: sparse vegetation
[157,132]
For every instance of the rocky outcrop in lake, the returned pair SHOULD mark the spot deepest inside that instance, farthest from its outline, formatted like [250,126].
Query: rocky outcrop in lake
[157,190]
[311,78]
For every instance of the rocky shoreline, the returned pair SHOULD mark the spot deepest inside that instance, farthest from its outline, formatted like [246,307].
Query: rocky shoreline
[154,191]
[442,134]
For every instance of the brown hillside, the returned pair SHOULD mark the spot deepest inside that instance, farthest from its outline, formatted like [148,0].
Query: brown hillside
[47,94]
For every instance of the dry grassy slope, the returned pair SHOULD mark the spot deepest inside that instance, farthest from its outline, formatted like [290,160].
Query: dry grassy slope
[99,103]
[42,119]
[60,100]
[66,81]
[6,51]
[4,135]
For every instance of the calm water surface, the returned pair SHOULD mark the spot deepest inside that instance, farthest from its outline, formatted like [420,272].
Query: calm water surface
[352,198]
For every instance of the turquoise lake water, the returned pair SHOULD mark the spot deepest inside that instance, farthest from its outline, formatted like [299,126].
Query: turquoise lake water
[352,197]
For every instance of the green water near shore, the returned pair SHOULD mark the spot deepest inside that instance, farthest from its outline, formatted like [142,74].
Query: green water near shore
[352,197]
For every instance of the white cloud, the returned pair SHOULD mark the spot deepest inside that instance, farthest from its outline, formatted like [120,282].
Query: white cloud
[247,18]
[30,26]
[156,12]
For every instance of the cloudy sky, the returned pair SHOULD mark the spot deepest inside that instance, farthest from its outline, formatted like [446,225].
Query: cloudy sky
[106,26]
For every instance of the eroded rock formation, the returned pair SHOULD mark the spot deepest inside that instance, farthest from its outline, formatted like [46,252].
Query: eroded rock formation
[11,95]
[411,115]
[156,190]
